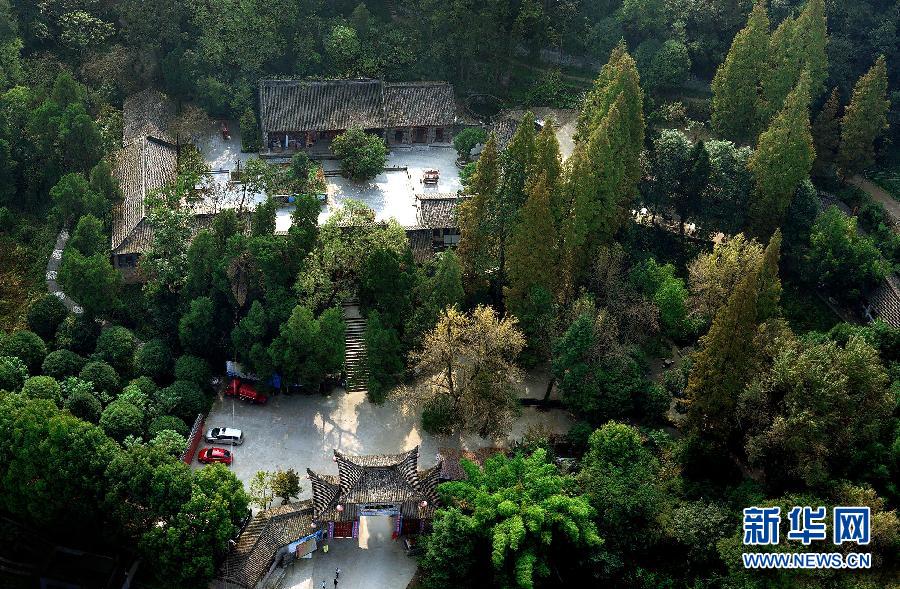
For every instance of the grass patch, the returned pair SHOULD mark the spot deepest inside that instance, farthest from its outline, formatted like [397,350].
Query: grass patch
[24,252]
[804,311]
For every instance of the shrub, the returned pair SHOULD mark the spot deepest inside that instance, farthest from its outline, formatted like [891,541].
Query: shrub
[116,346]
[62,363]
[250,134]
[78,333]
[45,316]
[170,442]
[362,155]
[438,417]
[27,346]
[102,376]
[193,369]
[182,399]
[84,405]
[13,373]
[154,359]
[72,385]
[168,422]
[197,326]
[90,238]
[121,419]
[42,387]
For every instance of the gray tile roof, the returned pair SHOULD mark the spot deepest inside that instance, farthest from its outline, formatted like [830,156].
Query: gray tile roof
[381,478]
[884,301]
[147,113]
[438,210]
[332,105]
[145,164]
[250,559]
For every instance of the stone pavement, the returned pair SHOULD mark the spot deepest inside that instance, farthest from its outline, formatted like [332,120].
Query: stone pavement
[53,270]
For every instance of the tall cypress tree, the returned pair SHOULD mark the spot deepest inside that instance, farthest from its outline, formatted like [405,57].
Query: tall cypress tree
[826,133]
[796,46]
[864,120]
[477,243]
[531,250]
[736,100]
[548,162]
[728,351]
[782,160]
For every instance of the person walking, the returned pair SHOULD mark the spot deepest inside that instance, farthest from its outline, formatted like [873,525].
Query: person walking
[335,583]
[323,584]
[337,573]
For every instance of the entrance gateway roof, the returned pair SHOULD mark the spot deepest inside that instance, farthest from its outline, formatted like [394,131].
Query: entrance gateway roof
[375,480]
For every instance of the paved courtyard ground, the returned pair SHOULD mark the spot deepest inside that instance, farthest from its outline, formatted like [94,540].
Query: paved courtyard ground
[370,562]
[301,431]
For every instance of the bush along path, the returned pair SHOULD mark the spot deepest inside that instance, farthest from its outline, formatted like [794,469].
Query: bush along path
[53,271]
[355,360]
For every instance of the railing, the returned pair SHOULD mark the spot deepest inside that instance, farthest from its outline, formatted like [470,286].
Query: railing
[193,440]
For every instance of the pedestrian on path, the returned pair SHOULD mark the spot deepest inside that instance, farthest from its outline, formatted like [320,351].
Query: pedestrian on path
[335,583]
[323,584]
[337,573]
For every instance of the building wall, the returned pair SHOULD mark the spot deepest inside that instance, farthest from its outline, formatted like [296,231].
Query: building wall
[409,135]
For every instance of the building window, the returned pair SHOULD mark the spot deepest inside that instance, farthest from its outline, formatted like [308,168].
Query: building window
[419,135]
[439,135]
[398,136]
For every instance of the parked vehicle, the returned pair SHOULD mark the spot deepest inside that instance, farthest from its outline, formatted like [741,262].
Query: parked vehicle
[209,455]
[225,435]
[245,392]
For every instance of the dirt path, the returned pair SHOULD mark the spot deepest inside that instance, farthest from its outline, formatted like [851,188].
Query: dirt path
[879,195]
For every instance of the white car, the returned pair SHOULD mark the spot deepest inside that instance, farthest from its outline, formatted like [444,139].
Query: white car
[225,435]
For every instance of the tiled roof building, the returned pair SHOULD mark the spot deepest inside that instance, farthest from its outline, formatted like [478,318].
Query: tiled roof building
[884,302]
[297,114]
[382,480]
[262,541]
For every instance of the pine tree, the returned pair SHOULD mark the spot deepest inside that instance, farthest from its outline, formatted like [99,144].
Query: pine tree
[864,120]
[796,46]
[782,160]
[826,133]
[477,244]
[736,101]
[531,250]
[769,288]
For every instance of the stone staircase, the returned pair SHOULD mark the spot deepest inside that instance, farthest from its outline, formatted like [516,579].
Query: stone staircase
[355,359]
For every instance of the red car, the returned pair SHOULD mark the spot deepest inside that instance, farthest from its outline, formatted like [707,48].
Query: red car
[208,455]
[245,392]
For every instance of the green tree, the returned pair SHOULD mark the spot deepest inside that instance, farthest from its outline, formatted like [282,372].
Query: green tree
[250,134]
[532,248]
[384,355]
[26,346]
[528,514]
[42,387]
[121,419]
[167,422]
[624,483]
[193,369]
[841,260]
[61,364]
[477,243]
[116,346]
[659,283]
[45,315]
[387,283]
[342,50]
[89,237]
[183,399]
[84,405]
[261,494]
[865,120]
[796,47]
[826,133]
[13,373]
[820,413]
[727,354]
[73,197]
[782,160]
[467,139]
[713,276]
[453,551]
[154,359]
[471,360]
[102,376]
[362,155]
[170,442]
[196,329]
[285,484]
[307,348]
[736,102]
[90,280]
